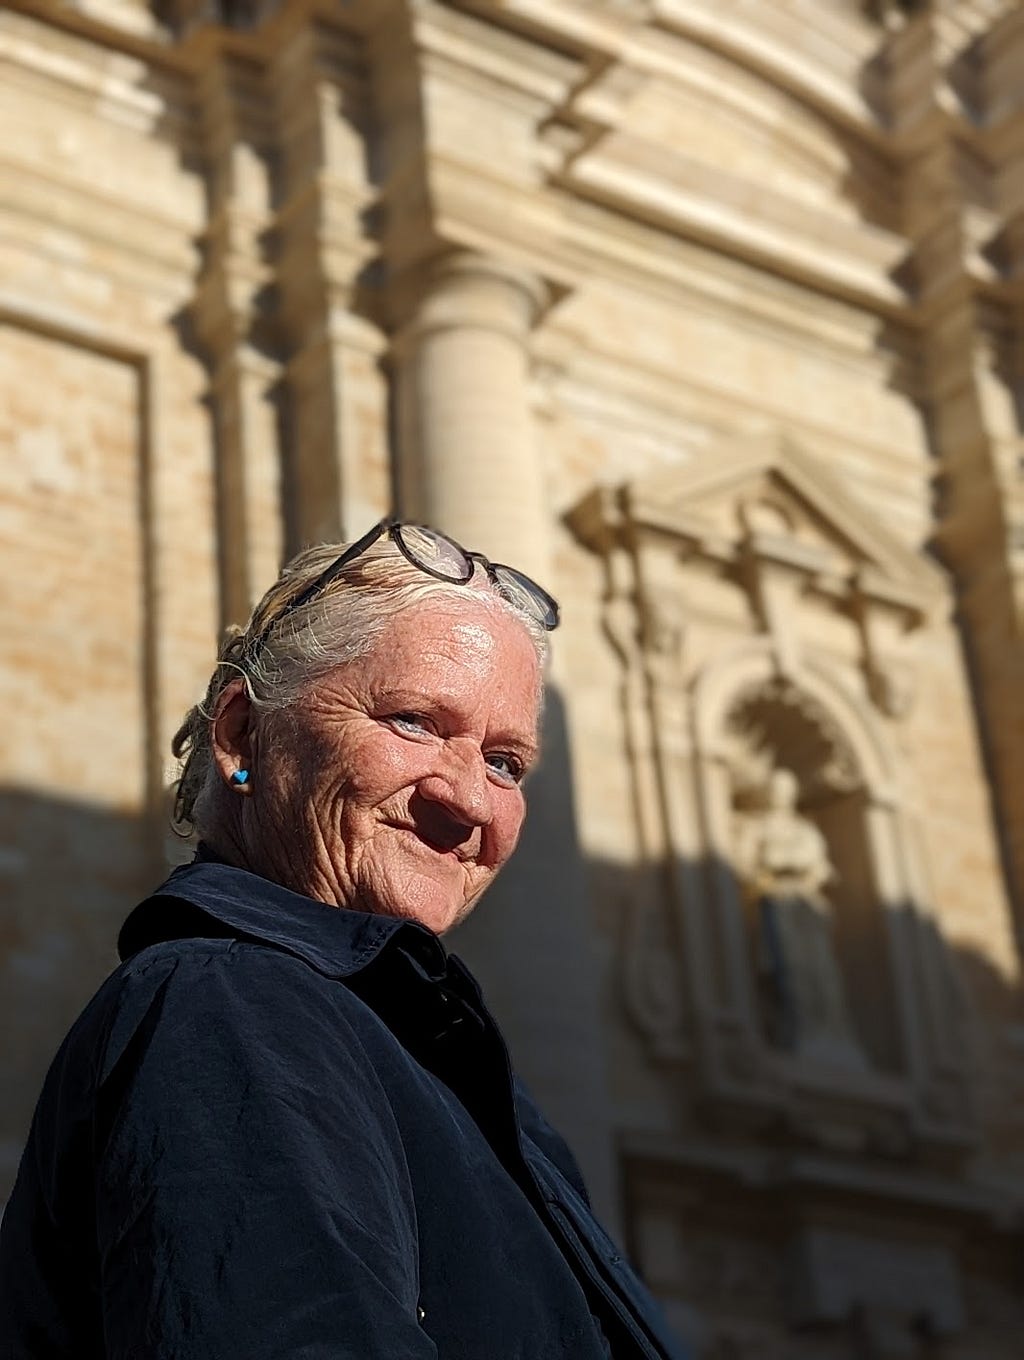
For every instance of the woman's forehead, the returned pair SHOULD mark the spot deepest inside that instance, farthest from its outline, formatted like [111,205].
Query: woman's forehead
[469,629]
[454,648]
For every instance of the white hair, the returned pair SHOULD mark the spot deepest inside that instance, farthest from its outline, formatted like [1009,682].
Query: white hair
[281,652]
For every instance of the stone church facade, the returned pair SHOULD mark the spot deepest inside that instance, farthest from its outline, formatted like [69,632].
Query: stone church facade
[707,313]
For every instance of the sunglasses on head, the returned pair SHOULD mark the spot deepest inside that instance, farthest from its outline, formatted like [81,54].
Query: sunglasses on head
[439,556]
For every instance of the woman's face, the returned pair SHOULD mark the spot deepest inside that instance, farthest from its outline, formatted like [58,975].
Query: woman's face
[394,786]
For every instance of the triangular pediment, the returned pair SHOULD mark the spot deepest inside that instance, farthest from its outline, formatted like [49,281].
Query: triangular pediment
[769,486]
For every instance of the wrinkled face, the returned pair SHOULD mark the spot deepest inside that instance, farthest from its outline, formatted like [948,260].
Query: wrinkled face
[395,785]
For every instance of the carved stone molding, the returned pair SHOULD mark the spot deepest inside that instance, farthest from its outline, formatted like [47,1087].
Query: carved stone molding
[718,577]
[804,732]
[893,1286]
[763,513]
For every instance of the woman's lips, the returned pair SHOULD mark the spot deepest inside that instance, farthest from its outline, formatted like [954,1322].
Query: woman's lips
[460,850]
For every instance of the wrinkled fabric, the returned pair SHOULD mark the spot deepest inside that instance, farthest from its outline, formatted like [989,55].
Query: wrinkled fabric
[281,1129]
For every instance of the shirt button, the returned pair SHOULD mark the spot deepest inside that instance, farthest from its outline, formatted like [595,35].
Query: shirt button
[420,1313]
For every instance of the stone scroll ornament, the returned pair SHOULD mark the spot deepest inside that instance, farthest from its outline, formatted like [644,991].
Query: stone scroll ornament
[786,866]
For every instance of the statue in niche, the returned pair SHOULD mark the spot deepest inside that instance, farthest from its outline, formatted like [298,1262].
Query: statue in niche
[785,862]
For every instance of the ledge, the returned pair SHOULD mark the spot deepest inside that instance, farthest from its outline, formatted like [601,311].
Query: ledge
[998,1205]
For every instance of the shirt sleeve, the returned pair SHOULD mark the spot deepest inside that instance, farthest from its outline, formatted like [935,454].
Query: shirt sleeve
[253,1197]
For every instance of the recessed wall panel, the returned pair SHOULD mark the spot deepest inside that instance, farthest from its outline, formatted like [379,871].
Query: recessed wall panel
[72,766]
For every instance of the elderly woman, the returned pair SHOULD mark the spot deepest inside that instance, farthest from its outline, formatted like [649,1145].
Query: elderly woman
[286,1125]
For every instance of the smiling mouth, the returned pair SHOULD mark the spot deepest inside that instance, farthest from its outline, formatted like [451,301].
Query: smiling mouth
[456,852]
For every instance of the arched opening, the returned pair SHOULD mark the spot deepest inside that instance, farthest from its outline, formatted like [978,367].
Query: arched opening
[815,930]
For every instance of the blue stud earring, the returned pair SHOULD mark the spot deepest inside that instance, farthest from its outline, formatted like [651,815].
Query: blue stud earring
[240,777]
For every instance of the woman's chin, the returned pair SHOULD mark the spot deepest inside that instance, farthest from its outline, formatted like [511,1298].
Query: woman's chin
[422,899]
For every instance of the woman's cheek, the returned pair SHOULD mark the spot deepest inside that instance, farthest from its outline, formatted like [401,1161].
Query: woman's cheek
[507,825]
[395,755]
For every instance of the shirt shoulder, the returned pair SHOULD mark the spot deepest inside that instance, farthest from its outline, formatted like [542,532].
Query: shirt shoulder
[214,990]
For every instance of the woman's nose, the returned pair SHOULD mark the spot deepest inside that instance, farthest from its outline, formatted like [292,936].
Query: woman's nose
[462,788]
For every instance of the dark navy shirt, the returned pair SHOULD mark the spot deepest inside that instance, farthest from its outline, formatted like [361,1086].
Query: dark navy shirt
[281,1129]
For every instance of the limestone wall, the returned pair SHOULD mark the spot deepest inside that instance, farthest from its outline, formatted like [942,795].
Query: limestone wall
[707,314]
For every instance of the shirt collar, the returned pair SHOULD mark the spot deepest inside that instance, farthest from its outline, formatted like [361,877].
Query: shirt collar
[212,898]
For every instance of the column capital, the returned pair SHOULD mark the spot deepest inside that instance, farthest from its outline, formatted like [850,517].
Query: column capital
[467,288]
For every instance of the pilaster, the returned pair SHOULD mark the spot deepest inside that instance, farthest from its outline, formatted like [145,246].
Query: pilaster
[970,332]
[238,332]
[338,475]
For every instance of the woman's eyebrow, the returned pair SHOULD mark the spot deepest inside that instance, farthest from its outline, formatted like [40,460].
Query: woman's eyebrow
[406,697]
[401,697]
[524,746]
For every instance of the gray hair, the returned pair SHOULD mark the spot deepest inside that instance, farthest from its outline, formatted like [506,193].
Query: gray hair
[281,652]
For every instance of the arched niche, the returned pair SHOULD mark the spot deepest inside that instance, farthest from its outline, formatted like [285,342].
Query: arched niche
[803,855]
[750,722]
[721,576]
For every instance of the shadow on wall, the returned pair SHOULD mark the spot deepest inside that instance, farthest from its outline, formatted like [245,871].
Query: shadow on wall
[836,1182]
[69,874]
[531,945]
[765,1198]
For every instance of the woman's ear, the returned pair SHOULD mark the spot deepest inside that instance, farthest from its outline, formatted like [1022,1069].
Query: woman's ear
[231,735]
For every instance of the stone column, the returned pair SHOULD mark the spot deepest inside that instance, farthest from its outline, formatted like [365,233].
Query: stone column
[470,465]
[468,461]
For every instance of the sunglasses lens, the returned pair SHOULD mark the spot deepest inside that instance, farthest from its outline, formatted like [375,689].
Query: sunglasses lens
[435,553]
[526,595]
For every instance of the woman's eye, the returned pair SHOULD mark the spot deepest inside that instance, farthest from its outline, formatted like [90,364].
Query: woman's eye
[508,768]
[410,722]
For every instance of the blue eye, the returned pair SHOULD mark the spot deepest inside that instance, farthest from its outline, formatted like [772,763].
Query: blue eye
[410,722]
[508,768]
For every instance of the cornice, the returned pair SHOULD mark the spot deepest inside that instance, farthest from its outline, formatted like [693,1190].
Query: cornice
[652,47]
[586,154]
[201,39]
[597,185]
[132,234]
[500,57]
[999,1207]
[747,221]
[815,54]
[587,150]
[93,76]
